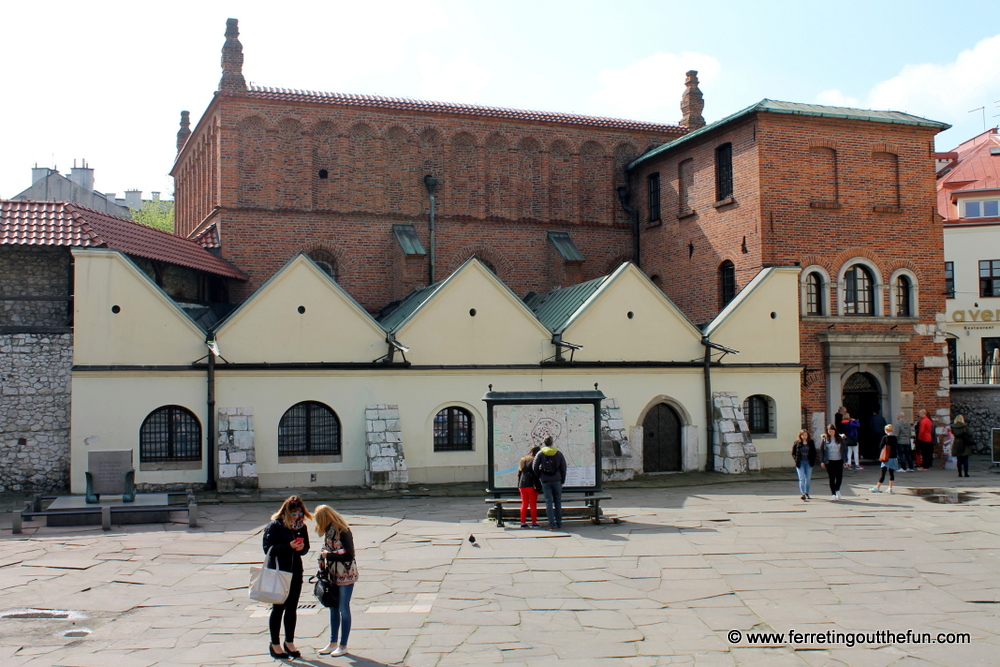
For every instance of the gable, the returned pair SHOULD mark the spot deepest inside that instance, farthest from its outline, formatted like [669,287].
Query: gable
[331,326]
[148,327]
[472,318]
[656,330]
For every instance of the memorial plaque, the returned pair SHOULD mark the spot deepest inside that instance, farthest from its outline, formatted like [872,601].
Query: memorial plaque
[108,468]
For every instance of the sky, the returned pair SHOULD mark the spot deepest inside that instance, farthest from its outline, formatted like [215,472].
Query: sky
[105,81]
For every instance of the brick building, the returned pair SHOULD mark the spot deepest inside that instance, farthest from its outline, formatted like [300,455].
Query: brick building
[846,194]
[389,195]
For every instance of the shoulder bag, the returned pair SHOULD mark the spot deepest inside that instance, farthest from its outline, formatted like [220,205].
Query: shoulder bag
[344,574]
[884,455]
[269,584]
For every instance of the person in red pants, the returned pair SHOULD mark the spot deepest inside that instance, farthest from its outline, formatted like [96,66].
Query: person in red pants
[528,486]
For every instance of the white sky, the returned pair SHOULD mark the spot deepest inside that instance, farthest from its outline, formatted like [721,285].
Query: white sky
[106,80]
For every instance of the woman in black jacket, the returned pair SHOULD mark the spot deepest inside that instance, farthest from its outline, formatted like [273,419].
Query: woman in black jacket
[288,540]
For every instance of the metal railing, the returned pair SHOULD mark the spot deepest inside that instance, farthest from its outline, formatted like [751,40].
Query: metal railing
[969,369]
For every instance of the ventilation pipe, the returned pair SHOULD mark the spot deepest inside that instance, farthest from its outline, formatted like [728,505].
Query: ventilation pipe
[431,183]
[624,194]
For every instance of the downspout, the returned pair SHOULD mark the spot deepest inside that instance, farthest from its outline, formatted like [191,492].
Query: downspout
[707,370]
[210,420]
[430,182]
[624,194]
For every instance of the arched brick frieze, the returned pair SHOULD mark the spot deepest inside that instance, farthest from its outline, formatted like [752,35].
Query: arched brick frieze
[344,262]
[359,175]
[326,166]
[252,158]
[402,184]
[497,175]
[293,165]
[530,184]
[488,255]
[463,174]
[432,161]
[594,186]
[560,181]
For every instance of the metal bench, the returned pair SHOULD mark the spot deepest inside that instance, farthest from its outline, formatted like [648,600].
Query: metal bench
[585,505]
[75,511]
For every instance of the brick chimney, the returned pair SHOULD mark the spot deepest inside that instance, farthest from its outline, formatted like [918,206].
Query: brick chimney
[232,60]
[185,131]
[692,103]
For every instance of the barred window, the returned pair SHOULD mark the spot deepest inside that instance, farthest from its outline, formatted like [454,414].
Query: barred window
[309,428]
[452,430]
[814,294]
[653,187]
[169,434]
[904,294]
[859,293]
[723,172]
[727,282]
[759,414]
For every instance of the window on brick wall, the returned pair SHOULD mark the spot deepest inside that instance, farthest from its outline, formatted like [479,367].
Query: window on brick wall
[653,189]
[309,428]
[685,180]
[904,297]
[815,298]
[325,260]
[169,434]
[453,430]
[949,279]
[989,277]
[859,291]
[723,172]
[885,181]
[727,282]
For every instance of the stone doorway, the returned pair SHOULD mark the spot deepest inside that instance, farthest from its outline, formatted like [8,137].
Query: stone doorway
[661,446]
[862,398]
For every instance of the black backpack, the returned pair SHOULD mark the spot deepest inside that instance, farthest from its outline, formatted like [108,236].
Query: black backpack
[548,466]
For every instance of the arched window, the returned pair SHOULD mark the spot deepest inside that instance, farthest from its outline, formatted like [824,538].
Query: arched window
[859,291]
[815,298]
[309,428]
[904,297]
[170,434]
[758,410]
[326,261]
[453,430]
[727,282]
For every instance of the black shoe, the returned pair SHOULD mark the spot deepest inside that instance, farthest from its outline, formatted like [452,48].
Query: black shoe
[276,656]
[294,654]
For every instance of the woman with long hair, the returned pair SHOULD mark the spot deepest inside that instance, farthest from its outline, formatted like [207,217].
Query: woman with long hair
[962,446]
[337,559]
[528,486]
[833,459]
[804,454]
[287,539]
[891,463]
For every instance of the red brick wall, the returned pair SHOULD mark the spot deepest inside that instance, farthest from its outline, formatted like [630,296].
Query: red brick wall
[502,185]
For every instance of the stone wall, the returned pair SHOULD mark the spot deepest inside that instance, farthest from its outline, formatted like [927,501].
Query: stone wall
[35,411]
[734,449]
[385,464]
[237,456]
[980,404]
[34,271]
[616,454]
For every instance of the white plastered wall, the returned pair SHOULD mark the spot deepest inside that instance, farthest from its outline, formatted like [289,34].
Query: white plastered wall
[966,246]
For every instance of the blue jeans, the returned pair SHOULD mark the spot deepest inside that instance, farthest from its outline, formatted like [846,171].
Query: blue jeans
[340,616]
[804,471]
[905,456]
[553,502]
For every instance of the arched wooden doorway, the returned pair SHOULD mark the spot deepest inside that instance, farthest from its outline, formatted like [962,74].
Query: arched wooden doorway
[661,445]
[862,398]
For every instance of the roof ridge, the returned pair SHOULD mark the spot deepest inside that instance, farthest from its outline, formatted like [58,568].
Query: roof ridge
[81,222]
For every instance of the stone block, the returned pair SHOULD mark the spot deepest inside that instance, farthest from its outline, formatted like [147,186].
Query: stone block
[378,425]
[393,436]
[388,414]
[243,439]
[727,426]
[371,414]
[750,449]
[248,470]
[223,456]
[382,464]
[238,423]
[228,470]
[238,457]
[735,451]
[736,466]
[754,463]
[223,423]
[392,425]
[727,413]
[732,437]
[373,451]
[387,450]
[743,425]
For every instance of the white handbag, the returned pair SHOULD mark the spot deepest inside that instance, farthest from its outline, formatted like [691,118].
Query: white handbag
[269,584]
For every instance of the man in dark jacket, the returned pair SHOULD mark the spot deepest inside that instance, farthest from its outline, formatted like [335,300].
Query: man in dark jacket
[550,468]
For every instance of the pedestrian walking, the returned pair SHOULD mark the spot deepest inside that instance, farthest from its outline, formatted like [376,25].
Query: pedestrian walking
[850,428]
[833,459]
[528,486]
[287,539]
[887,458]
[924,434]
[962,446]
[550,469]
[804,454]
[904,442]
[337,560]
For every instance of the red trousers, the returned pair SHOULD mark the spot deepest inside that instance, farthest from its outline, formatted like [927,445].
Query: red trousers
[529,498]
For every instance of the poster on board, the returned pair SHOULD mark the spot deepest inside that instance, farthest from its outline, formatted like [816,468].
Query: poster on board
[520,420]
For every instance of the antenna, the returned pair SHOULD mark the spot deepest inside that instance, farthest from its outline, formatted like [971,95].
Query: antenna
[983,109]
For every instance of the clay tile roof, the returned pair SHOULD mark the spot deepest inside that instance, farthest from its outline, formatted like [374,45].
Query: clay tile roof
[404,104]
[66,224]
[975,167]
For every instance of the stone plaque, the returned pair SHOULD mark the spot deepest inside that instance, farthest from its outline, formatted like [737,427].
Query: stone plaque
[108,468]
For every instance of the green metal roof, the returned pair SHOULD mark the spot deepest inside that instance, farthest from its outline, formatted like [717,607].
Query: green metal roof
[564,244]
[555,309]
[406,236]
[410,304]
[798,109]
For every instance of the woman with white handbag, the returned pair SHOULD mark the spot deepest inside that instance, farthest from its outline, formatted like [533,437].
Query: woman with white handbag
[287,539]
[337,559]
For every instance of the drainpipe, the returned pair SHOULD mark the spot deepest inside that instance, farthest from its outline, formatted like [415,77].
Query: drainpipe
[707,370]
[624,194]
[212,462]
[430,182]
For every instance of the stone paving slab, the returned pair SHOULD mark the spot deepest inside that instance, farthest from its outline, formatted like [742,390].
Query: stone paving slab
[688,565]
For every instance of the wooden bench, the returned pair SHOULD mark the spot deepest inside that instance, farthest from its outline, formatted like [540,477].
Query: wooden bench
[576,505]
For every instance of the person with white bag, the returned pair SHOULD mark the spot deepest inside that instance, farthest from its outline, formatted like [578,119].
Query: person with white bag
[287,540]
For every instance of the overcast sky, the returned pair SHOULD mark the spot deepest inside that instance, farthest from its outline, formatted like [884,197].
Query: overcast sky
[106,81]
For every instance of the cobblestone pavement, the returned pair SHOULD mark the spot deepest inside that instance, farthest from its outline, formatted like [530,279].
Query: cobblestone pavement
[688,565]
